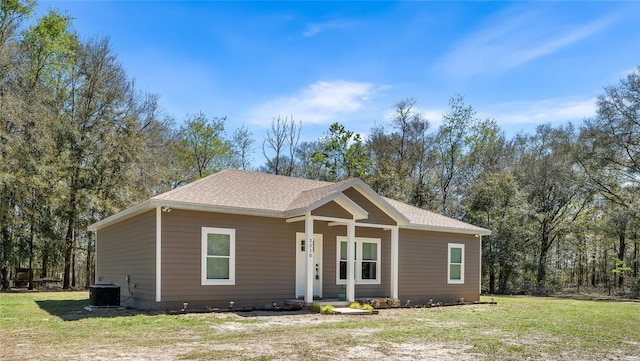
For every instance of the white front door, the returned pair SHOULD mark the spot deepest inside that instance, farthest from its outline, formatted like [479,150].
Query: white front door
[301,265]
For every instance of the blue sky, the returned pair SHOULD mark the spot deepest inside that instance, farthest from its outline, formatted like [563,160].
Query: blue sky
[520,63]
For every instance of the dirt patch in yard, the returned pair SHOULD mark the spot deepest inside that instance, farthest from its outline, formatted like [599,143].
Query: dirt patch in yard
[276,336]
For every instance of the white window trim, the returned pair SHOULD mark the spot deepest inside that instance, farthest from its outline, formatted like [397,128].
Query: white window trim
[461,280]
[232,256]
[358,266]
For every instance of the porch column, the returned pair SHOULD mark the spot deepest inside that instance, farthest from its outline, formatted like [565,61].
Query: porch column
[158,254]
[480,266]
[351,260]
[394,262]
[308,230]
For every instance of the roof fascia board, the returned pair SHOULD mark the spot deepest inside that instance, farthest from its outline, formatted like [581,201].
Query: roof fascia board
[127,213]
[153,203]
[343,201]
[220,209]
[379,202]
[350,206]
[480,232]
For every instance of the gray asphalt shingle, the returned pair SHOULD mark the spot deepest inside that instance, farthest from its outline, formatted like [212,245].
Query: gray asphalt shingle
[267,192]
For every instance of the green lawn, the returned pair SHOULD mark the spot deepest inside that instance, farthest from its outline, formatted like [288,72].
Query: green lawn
[54,326]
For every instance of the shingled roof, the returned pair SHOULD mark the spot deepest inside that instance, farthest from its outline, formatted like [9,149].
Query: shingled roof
[426,220]
[248,190]
[252,193]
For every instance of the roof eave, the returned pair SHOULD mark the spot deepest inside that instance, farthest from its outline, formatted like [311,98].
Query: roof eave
[127,213]
[223,209]
[153,203]
[420,227]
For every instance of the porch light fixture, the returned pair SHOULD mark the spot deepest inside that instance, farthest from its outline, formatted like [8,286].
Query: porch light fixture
[166,209]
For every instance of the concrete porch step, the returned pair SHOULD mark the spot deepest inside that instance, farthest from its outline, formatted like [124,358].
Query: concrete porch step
[351,311]
[321,302]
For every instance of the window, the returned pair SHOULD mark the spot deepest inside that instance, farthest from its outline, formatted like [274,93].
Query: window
[218,256]
[455,272]
[369,259]
[367,263]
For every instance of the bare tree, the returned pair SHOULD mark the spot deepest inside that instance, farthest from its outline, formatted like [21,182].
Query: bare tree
[280,144]
[400,158]
[242,142]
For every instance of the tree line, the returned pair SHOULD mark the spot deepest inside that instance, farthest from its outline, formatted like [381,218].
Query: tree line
[79,142]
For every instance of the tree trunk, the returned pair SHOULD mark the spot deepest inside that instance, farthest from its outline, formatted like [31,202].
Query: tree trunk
[542,270]
[5,278]
[45,260]
[88,264]
[580,271]
[635,257]
[622,245]
[5,233]
[492,267]
[68,252]
[593,270]
[606,271]
[30,287]
[73,266]
[492,280]
[68,242]
[503,278]
[542,260]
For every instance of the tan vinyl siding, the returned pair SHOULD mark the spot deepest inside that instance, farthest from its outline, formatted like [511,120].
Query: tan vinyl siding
[423,262]
[128,248]
[376,215]
[332,209]
[265,260]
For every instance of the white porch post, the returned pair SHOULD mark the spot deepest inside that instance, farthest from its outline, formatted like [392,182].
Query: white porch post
[351,257]
[158,254]
[308,229]
[394,262]
[480,267]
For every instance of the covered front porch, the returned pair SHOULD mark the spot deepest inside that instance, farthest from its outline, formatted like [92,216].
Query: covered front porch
[336,257]
[357,233]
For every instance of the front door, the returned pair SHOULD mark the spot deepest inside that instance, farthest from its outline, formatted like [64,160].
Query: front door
[301,252]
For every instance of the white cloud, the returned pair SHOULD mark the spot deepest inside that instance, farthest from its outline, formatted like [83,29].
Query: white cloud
[510,43]
[555,111]
[316,28]
[322,102]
